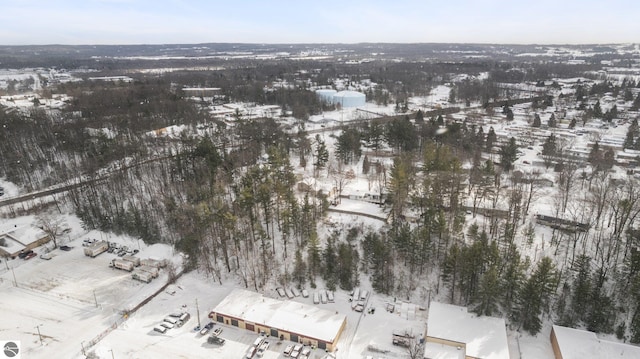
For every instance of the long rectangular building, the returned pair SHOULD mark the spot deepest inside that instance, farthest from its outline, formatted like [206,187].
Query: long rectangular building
[288,320]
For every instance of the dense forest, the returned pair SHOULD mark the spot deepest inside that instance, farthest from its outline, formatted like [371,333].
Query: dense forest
[229,197]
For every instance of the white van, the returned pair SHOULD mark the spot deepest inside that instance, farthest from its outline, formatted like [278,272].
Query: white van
[258,341]
[185,317]
[356,295]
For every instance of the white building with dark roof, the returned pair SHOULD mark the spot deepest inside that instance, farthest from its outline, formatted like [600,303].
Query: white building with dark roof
[569,343]
[454,333]
[288,320]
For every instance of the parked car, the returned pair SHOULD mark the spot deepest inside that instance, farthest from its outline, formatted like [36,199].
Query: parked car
[30,255]
[296,350]
[206,328]
[47,256]
[66,248]
[88,242]
[288,350]
[167,325]
[217,332]
[215,340]
[160,329]
[24,254]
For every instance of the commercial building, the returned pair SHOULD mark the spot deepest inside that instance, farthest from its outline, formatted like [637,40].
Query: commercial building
[288,320]
[454,333]
[17,237]
[569,343]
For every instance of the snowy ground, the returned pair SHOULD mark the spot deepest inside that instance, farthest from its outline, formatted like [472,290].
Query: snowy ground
[136,338]
[71,299]
[10,189]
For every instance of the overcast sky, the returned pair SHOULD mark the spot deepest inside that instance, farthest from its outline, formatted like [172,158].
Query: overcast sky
[26,22]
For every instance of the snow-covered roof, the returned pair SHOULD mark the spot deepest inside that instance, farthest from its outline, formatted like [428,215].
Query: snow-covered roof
[575,343]
[294,317]
[441,351]
[484,337]
[18,236]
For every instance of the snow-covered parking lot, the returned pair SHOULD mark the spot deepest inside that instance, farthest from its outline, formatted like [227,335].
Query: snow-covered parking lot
[60,306]
[70,299]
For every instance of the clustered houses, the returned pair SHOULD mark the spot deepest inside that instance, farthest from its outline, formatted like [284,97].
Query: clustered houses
[287,320]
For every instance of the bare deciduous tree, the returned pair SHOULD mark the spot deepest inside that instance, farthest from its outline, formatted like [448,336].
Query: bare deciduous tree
[54,226]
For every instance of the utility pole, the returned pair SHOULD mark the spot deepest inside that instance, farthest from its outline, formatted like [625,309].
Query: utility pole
[198,313]
[95,298]
[39,335]
[111,350]
[83,351]
[15,282]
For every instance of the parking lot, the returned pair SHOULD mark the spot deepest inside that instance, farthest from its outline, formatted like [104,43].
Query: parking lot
[62,304]
[70,299]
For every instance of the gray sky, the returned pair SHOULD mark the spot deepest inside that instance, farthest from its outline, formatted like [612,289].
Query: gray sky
[24,22]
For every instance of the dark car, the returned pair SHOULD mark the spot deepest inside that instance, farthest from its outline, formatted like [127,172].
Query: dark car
[215,340]
[30,255]
[66,248]
[24,254]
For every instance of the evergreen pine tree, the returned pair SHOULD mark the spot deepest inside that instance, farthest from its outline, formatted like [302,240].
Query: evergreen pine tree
[511,279]
[491,139]
[632,133]
[299,269]
[535,295]
[488,294]
[600,318]
[597,110]
[322,154]
[635,106]
[329,265]
[549,150]
[451,268]
[508,154]
[366,165]
[552,121]
[419,117]
[536,121]
[581,287]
